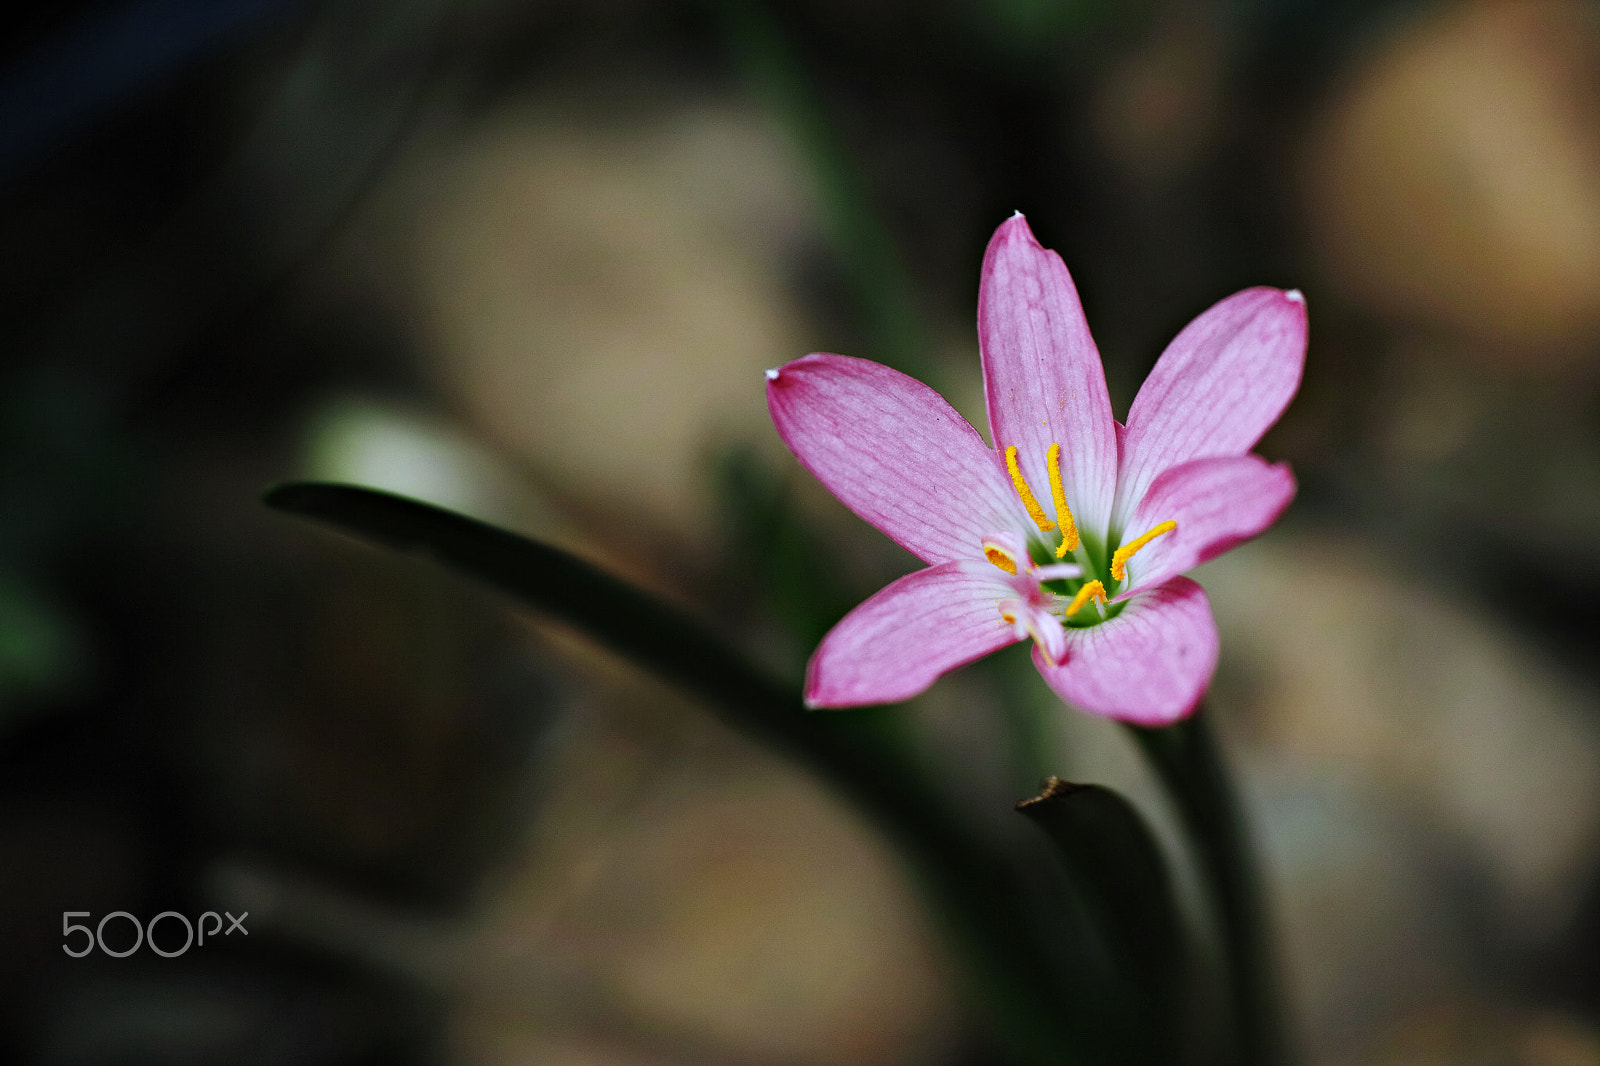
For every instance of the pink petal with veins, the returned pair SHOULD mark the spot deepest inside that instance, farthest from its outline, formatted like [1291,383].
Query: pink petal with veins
[895,452]
[1149,665]
[1217,503]
[1042,376]
[901,640]
[1221,383]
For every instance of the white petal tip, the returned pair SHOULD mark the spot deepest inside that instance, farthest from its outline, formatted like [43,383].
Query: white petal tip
[1296,295]
[772,375]
[1016,214]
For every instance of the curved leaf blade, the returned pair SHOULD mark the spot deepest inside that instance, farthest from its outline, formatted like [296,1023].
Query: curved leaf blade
[1122,877]
[1029,946]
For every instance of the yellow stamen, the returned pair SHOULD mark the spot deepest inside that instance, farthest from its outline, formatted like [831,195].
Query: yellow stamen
[1035,512]
[1069,528]
[1000,559]
[1094,589]
[1120,557]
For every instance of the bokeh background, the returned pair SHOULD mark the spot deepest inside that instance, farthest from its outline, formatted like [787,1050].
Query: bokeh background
[527,260]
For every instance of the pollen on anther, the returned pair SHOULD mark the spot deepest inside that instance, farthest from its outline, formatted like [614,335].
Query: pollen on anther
[1092,589]
[1020,483]
[1069,525]
[1000,559]
[1120,557]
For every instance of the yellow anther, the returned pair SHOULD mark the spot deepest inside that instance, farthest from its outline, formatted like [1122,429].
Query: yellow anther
[1000,559]
[1120,557]
[1035,512]
[1069,528]
[1092,589]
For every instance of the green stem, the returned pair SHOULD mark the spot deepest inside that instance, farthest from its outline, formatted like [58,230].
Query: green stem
[1190,764]
[1030,740]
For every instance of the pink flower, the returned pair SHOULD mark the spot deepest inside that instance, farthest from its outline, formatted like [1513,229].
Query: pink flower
[1073,529]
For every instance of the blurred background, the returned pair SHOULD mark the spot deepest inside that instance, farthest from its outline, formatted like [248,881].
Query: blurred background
[527,260]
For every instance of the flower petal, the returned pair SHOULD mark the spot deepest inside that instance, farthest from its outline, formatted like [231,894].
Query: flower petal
[1221,383]
[1217,503]
[902,639]
[1149,665]
[895,452]
[1042,376]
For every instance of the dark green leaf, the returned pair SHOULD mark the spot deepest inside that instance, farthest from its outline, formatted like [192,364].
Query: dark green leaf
[1122,878]
[1035,960]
